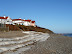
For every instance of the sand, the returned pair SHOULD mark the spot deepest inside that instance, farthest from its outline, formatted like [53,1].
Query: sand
[11,34]
[16,44]
[55,44]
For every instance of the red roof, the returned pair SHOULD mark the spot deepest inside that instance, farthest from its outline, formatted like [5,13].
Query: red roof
[6,17]
[3,18]
[33,21]
[28,20]
[16,19]
[23,20]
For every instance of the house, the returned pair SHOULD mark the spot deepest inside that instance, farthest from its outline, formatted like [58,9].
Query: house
[8,20]
[23,22]
[18,21]
[32,23]
[27,22]
[5,20]
[2,20]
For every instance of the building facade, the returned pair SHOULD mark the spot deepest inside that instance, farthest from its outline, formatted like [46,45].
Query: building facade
[5,20]
[8,20]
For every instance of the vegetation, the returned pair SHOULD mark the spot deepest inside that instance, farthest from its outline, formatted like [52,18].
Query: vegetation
[28,28]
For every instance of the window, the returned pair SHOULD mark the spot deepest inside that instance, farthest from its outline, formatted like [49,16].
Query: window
[7,21]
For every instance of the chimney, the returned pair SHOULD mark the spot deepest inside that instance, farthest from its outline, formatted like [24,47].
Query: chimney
[23,19]
[4,16]
[19,18]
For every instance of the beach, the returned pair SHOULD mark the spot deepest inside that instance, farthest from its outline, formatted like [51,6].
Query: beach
[11,34]
[55,44]
[17,44]
[35,43]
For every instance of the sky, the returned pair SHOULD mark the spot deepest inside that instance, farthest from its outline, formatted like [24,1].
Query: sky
[55,15]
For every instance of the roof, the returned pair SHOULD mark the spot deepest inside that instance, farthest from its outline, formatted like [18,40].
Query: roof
[3,17]
[33,21]
[16,19]
[23,20]
[28,20]
[6,17]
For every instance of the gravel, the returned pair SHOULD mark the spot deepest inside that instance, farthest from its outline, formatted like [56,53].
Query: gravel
[55,44]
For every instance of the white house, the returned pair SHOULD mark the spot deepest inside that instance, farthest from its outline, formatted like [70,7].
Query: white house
[9,20]
[2,20]
[18,21]
[6,20]
[32,23]
[27,22]
[21,22]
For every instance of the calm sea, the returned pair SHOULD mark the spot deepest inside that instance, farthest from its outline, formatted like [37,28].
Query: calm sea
[70,35]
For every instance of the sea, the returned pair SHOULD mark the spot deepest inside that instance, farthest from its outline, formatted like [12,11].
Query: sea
[70,35]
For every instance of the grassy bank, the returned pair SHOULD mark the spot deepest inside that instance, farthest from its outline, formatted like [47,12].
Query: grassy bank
[28,28]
